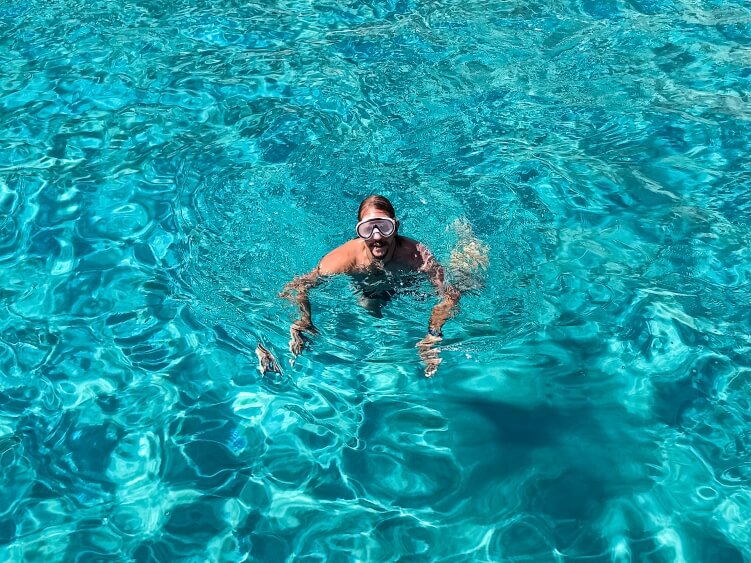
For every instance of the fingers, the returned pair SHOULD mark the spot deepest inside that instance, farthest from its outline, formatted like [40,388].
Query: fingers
[298,340]
[431,367]
[429,354]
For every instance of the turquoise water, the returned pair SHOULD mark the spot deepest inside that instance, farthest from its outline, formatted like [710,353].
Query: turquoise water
[167,166]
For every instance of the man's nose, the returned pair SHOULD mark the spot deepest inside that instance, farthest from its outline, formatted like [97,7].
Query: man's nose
[377,234]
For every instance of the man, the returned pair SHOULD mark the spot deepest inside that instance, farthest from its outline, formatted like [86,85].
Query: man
[376,259]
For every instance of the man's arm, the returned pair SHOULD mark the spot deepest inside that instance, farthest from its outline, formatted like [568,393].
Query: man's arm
[449,294]
[296,292]
[335,262]
[440,313]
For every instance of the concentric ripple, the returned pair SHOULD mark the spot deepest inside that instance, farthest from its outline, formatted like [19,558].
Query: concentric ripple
[167,167]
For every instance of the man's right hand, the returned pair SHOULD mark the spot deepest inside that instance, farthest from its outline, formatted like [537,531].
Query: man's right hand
[298,337]
[429,353]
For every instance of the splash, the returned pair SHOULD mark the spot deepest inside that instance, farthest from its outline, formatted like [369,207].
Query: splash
[468,263]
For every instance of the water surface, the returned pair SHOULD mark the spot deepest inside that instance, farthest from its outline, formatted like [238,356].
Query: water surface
[167,166]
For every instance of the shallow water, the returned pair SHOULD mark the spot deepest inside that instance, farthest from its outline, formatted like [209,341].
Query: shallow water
[167,167]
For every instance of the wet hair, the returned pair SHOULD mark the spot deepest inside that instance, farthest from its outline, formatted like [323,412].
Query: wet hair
[376,202]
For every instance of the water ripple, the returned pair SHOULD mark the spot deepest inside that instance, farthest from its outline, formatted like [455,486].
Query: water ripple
[167,168]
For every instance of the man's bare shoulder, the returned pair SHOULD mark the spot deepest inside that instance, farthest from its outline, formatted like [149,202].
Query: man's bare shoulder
[341,260]
[413,254]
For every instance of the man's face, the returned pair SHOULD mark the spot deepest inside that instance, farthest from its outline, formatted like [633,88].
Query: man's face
[378,244]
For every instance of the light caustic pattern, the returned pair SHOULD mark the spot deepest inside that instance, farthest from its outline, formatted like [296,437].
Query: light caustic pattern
[167,166]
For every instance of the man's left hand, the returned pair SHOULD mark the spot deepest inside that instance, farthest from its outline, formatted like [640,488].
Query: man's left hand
[429,354]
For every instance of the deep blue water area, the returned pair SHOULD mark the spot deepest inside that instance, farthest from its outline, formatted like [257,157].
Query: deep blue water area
[166,167]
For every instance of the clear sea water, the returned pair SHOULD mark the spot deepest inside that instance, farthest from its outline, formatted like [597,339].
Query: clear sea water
[165,167]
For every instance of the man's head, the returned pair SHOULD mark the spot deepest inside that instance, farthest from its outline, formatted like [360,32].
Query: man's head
[377,226]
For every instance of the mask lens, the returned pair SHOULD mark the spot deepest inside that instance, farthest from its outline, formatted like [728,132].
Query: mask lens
[386,227]
[365,230]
